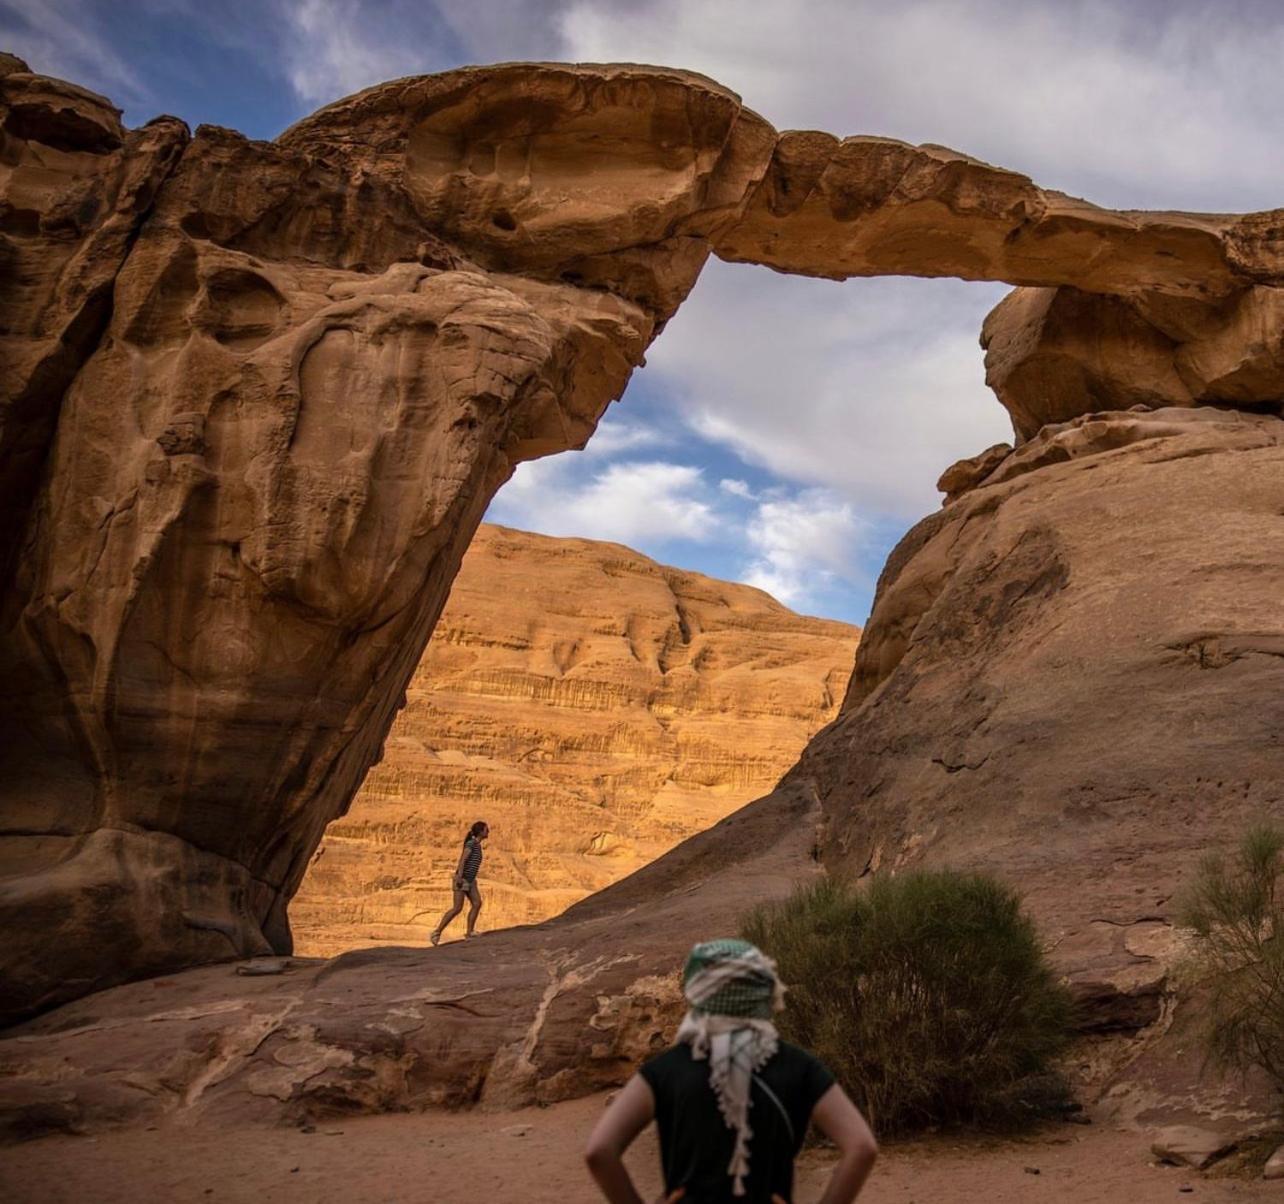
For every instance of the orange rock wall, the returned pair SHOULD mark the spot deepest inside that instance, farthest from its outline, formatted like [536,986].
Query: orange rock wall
[595,708]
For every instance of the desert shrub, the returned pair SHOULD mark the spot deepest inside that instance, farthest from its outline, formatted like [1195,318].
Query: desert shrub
[1235,908]
[927,994]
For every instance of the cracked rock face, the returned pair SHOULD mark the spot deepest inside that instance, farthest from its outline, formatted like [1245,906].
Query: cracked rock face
[257,396]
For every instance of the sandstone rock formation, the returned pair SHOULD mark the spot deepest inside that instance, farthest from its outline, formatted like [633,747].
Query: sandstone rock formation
[259,468]
[1082,694]
[1054,353]
[529,1014]
[257,397]
[596,708]
[1085,693]
[75,187]
[867,206]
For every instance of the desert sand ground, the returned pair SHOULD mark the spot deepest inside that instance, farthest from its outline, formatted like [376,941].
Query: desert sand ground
[532,1157]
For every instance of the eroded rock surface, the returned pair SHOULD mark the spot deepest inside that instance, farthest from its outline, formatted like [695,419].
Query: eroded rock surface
[596,708]
[514,1017]
[1073,677]
[866,206]
[1080,704]
[1053,354]
[257,397]
[270,453]
[75,187]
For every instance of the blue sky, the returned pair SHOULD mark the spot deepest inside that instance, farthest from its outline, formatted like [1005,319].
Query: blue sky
[785,432]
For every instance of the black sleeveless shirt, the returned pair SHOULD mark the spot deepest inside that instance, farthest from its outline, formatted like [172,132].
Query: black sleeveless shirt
[696,1143]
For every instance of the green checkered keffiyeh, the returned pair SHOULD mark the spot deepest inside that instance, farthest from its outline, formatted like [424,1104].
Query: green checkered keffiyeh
[731,977]
[732,989]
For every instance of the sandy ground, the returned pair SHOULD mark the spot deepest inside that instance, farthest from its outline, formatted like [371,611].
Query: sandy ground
[532,1157]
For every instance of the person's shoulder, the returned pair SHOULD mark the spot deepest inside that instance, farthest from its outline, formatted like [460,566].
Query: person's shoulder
[664,1066]
[796,1053]
[795,1057]
[801,1075]
[675,1055]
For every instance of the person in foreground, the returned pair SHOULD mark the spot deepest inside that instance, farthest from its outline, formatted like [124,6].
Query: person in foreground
[731,1100]
[463,882]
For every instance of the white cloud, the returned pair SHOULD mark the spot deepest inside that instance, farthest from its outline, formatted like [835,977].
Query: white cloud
[798,545]
[332,48]
[856,395]
[63,38]
[803,544]
[504,30]
[869,388]
[1167,103]
[614,436]
[628,502]
[872,388]
[1170,103]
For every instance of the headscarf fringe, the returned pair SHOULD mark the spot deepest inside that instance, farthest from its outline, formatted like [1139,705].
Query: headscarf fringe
[736,1046]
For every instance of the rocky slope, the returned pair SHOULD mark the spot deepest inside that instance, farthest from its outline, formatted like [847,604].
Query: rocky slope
[596,708]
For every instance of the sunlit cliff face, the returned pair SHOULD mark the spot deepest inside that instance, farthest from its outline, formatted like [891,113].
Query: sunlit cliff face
[596,708]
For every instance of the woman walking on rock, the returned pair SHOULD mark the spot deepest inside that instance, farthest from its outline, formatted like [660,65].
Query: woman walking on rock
[464,882]
[731,1100]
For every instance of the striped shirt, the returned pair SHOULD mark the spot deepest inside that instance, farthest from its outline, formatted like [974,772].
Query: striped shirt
[472,858]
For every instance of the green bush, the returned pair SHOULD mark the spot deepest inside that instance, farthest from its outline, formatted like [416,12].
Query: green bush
[1236,910]
[927,994]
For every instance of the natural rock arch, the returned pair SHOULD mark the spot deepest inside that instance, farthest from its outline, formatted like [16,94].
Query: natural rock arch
[259,394]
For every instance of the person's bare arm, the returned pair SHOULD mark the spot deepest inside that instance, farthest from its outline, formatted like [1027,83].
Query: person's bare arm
[625,1117]
[459,868]
[840,1120]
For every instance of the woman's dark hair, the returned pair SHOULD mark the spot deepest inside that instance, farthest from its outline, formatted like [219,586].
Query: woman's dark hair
[477,828]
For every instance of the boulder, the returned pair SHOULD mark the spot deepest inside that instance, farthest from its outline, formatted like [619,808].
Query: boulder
[967,474]
[1053,354]
[1189,1145]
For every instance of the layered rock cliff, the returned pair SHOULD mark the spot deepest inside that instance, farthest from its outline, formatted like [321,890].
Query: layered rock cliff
[596,708]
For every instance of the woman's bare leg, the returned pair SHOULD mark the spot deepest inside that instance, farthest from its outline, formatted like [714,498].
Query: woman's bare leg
[456,906]
[474,896]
